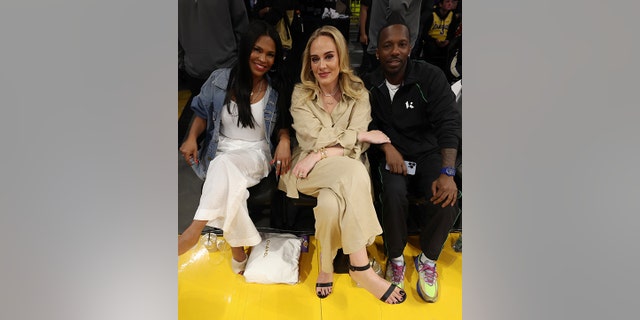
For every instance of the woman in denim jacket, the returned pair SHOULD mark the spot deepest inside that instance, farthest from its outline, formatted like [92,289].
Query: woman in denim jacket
[238,109]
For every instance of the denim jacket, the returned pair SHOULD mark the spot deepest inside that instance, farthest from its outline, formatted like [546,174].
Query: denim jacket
[208,105]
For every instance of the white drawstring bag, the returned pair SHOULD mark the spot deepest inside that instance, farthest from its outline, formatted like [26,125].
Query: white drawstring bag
[275,259]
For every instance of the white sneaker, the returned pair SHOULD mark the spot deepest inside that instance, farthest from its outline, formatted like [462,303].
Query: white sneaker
[326,13]
[427,280]
[334,14]
[395,273]
[238,267]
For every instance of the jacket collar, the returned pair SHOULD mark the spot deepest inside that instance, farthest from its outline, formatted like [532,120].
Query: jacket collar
[316,95]
[377,77]
[222,81]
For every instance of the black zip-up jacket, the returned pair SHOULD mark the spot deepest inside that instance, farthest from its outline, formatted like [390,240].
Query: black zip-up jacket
[422,118]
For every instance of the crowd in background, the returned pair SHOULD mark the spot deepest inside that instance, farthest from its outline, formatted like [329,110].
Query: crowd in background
[438,36]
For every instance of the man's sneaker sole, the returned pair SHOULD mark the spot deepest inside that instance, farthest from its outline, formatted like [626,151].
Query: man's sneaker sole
[423,295]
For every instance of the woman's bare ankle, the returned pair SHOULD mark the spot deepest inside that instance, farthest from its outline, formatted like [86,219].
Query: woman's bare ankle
[238,254]
[325,276]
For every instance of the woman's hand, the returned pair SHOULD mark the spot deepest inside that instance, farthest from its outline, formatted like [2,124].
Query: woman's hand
[304,166]
[189,147]
[364,39]
[282,157]
[189,150]
[373,137]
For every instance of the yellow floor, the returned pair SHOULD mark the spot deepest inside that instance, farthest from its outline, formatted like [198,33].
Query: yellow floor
[207,289]
[183,97]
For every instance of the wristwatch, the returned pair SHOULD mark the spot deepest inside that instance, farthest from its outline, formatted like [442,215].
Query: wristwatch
[450,171]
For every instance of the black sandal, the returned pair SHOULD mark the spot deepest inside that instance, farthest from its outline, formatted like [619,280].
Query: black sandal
[323,285]
[392,287]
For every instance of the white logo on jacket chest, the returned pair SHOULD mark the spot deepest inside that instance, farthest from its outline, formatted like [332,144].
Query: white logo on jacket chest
[409,105]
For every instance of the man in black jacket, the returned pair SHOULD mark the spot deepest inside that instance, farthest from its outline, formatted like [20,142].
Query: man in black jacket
[412,102]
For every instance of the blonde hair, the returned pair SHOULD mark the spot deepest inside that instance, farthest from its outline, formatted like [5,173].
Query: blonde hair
[349,83]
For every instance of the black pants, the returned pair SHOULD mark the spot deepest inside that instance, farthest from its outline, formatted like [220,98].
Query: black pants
[440,56]
[366,64]
[434,229]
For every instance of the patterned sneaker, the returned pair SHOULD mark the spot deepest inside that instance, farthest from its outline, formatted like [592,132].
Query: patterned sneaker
[427,280]
[395,273]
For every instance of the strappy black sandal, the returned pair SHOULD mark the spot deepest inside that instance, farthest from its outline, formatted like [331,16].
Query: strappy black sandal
[392,287]
[323,285]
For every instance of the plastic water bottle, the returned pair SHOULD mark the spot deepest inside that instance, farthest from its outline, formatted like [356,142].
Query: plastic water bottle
[457,246]
[376,267]
[209,241]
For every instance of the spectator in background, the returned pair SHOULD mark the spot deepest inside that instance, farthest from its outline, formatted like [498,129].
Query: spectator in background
[208,36]
[363,36]
[455,62]
[287,12]
[425,10]
[438,34]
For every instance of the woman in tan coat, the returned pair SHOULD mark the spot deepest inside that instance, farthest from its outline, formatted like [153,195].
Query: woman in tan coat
[331,113]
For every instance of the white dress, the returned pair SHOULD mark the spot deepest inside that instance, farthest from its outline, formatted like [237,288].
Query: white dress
[241,161]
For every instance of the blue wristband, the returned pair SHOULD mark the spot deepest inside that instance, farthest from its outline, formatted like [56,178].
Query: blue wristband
[449,171]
